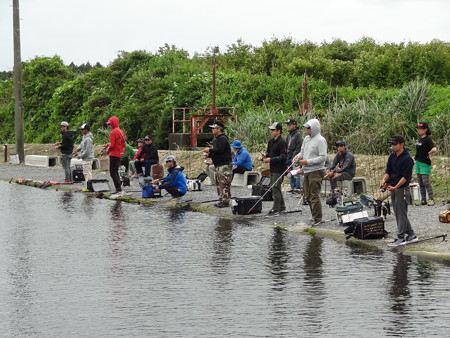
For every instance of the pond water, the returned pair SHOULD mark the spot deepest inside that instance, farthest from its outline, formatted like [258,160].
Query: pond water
[72,265]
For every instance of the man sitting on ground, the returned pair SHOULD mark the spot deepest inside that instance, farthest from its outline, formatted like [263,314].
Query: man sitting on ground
[242,161]
[175,182]
[343,167]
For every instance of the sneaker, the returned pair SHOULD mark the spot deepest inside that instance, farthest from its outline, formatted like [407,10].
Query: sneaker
[411,239]
[314,222]
[116,194]
[273,212]
[397,242]
[222,205]
[431,203]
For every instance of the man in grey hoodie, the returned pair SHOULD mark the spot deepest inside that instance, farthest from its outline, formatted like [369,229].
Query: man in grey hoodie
[312,158]
[86,151]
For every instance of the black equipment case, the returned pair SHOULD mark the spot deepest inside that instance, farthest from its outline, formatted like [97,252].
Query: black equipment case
[242,205]
[261,188]
[77,173]
[366,228]
[349,207]
[98,185]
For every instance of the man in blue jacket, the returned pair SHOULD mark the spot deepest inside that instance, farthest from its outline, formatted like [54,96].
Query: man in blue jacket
[175,182]
[396,180]
[242,161]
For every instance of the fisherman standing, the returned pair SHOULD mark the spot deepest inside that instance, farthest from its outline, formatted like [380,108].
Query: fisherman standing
[220,153]
[312,156]
[116,149]
[396,180]
[294,144]
[86,151]
[66,148]
[276,156]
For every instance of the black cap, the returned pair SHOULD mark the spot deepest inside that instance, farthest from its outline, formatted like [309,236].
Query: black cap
[422,125]
[397,139]
[276,126]
[141,140]
[291,121]
[147,137]
[340,143]
[218,124]
[85,126]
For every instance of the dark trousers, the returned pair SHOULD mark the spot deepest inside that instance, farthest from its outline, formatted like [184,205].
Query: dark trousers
[147,164]
[114,164]
[342,177]
[278,200]
[400,199]
[125,161]
[174,192]
[239,169]
[311,186]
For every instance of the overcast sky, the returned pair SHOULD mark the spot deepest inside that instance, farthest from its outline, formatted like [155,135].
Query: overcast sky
[95,30]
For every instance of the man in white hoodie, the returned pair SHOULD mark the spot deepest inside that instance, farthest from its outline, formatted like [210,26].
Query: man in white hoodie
[86,151]
[312,158]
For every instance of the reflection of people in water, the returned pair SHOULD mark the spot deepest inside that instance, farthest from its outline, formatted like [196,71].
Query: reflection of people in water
[278,258]
[118,231]
[67,201]
[222,245]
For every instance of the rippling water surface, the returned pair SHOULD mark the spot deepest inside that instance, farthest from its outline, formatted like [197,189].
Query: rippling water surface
[71,265]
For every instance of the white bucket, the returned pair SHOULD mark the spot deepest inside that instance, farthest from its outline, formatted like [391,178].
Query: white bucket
[14,159]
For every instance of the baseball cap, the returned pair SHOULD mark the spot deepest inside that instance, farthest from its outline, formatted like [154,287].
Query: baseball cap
[276,126]
[64,124]
[85,126]
[397,139]
[291,121]
[217,124]
[306,125]
[147,137]
[422,125]
[169,158]
[141,140]
[340,143]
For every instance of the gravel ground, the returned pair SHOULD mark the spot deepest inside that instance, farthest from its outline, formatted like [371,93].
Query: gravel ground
[424,219]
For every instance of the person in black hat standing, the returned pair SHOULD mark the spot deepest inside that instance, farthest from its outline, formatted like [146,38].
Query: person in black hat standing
[424,149]
[396,180]
[276,156]
[220,153]
[343,167]
[294,145]
[66,148]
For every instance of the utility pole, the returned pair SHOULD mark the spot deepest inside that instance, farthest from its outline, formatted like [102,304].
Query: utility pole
[18,84]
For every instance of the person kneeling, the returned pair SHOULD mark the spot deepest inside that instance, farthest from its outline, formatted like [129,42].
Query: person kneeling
[175,182]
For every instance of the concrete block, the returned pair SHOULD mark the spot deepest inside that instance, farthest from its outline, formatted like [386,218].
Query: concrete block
[41,161]
[247,178]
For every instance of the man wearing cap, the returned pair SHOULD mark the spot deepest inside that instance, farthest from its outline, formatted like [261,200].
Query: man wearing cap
[312,157]
[66,147]
[396,180]
[147,157]
[220,153]
[424,149]
[343,167]
[86,151]
[175,182]
[294,144]
[132,164]
[116,149]
[242,161]
[276,156]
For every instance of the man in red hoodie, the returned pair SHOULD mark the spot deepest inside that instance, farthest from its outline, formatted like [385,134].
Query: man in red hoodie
[116,149]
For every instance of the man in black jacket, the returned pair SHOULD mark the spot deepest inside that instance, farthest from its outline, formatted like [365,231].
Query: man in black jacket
[151,157]
[343,167]
[220,153]
[276,156]
[66,147]
[294,145]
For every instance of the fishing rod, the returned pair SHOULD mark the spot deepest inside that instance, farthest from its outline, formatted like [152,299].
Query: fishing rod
[403,246]
[270,188]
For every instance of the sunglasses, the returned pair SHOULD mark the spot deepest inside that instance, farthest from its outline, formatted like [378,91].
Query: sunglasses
[394,143]
[147,139]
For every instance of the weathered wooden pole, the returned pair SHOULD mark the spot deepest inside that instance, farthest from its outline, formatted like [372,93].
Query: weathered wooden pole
[18,84]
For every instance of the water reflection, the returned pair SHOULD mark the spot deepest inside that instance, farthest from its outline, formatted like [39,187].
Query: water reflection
[118,233]
[222,245]
[278,258]
[66,202]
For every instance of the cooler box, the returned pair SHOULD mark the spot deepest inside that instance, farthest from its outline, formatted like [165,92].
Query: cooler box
[349,207]
[367,228]
[77,173]
[242,205]
[98,185]
[261,188]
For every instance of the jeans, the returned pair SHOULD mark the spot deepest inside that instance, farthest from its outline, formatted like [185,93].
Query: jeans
[147,164]
[295,180]
[65,162]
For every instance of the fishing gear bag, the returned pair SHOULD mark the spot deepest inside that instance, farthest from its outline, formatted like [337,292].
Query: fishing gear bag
[243,205]
[149,192]
[444,216]
[98,185]
[366,228]
[261,188]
